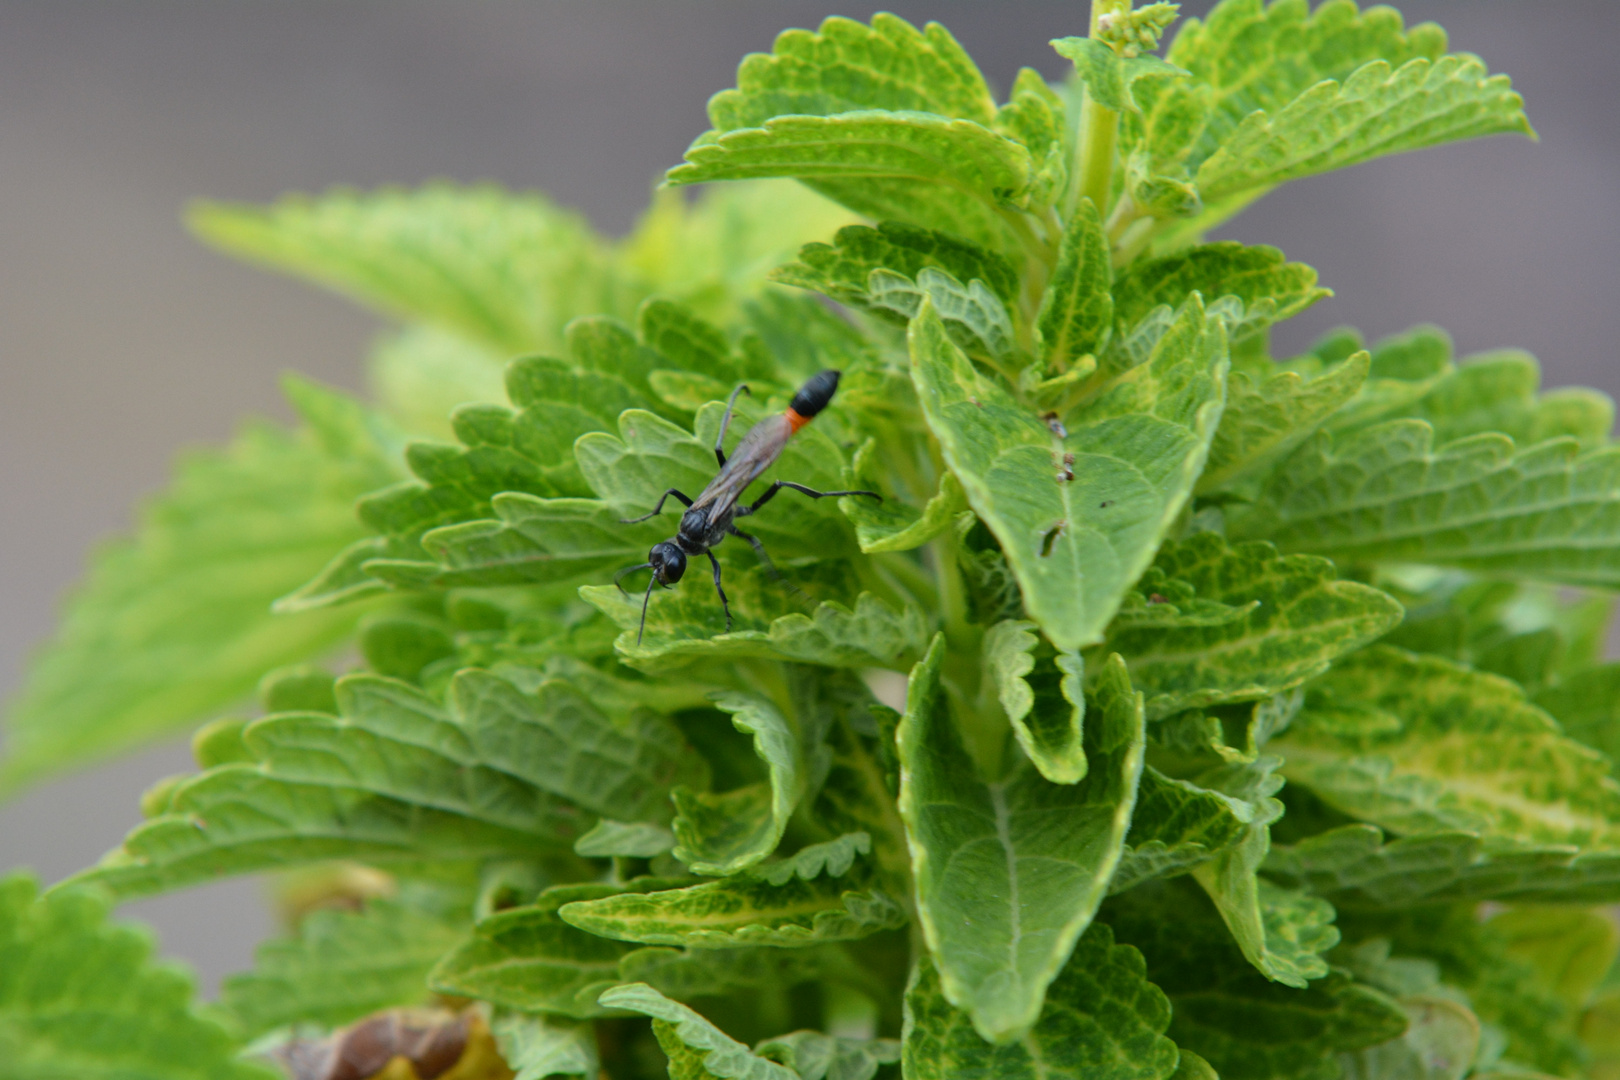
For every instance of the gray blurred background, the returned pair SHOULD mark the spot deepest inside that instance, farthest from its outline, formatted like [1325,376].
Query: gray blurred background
[121,340]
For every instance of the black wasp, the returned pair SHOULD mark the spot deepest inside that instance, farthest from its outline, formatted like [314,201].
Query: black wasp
[708,518]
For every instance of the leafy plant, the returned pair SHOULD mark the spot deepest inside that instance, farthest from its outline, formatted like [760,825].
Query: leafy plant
[1234,685]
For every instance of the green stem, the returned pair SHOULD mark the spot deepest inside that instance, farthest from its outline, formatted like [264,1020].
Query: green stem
[1099,131]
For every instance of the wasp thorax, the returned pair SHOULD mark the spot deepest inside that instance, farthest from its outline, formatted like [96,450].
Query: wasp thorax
[668,562]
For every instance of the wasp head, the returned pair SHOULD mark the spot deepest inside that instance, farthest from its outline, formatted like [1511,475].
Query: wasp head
[668,562]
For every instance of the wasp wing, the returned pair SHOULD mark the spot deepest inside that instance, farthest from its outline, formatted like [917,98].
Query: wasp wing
[757,452]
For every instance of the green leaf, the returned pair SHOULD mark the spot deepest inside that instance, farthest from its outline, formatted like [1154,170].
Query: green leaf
[1586,704]
[891,525]
[915,168]
[975,317]
[1417,744]
[528,958]
[558,740]
[766,907]
[506,270]
[1076,546]
[848,66]
[1281,932]
[535,541]
[536,1047]
[714,253]
[1077,309]
[1109,75]
[1506,993]
[688,625]
[685,974]
[1570,950]
[1177,824]
[340,967]
[1387,494]
[422,373]
[1355,868]
[82,998]
[842,270]
[1293,618]
[1441,1043]
[1279,92]
[1042,697]
[626,840]
[696,1048]
[815,1056]
[1266,418]
[1413,378]
[399,776]
[1228,1013]
[1102,1020]
[1008,874]
[174,623]
[1270,287]
[1377,111]
[729,832]
[858,795]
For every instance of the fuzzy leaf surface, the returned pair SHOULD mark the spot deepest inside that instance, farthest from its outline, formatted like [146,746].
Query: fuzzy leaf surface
[1102,1020]
[742,910]
[688,625]
[1258,111]
[1077,309]
[842,270]
[1418,744]
[1176,826]
[917,168]
[846,65]
[1268,415]
[398,775]
[82,998]
[1009,874]
[339,967]
[174,622]
[1295,618]
[1271,288]
[1076,546]
[1388,494]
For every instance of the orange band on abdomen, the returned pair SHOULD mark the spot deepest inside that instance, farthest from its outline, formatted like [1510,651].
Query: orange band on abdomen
[795,421]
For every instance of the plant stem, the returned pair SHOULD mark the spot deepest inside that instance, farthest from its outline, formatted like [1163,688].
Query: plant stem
[1099,131]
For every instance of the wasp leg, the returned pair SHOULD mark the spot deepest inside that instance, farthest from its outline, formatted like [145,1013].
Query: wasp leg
[659,509]
[724,606]
[770,493]
[725,421]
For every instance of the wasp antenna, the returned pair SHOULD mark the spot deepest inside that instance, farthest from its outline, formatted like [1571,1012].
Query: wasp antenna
[626,572]
[645,600]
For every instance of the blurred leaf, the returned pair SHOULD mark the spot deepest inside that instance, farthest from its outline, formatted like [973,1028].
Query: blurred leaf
[174,623]
[507,270]
[340,966]
[81,998]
